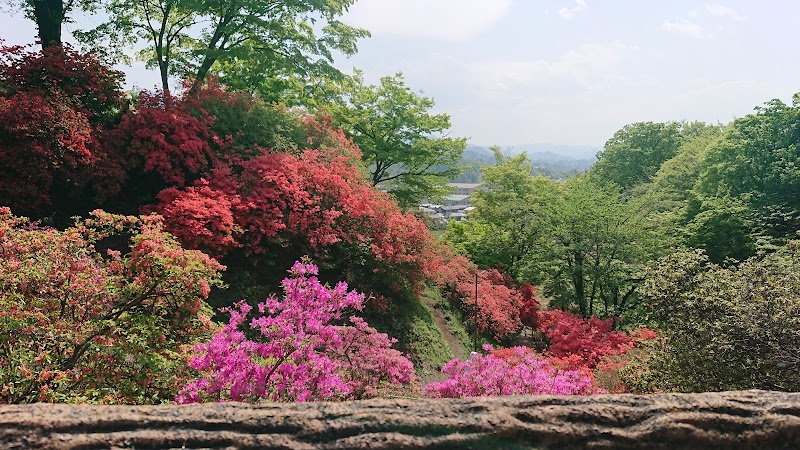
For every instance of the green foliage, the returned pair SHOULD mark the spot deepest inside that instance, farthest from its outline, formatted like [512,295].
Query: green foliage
[251,42]
[454,317]
[727,328]
[580,240]
[406,319]
[757,164]
[401,141]
[502,232]
[673,185]
[247,123]
[722,226]
[635,153]
[590,248]
[486,244]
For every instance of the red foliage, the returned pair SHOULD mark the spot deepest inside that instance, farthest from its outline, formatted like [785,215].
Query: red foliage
[89,86]
[51,106]
[200,216]
[529,310]
[499,300]
[313,200]
[590,339]
[165,136]
[512,355]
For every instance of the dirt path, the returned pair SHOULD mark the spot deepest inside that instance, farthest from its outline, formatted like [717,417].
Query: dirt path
[456,347]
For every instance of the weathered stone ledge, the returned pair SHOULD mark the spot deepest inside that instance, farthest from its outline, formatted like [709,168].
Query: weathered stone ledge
[741,420]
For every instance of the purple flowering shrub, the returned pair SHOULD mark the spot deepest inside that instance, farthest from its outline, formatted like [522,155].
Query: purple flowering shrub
[525,374]
[301,355]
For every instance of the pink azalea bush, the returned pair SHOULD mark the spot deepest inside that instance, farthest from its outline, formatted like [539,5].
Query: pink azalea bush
[526,373]
[301,355]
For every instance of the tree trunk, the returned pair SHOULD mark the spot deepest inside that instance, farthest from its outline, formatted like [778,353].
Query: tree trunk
[202,73]
[580,288]
[49,15]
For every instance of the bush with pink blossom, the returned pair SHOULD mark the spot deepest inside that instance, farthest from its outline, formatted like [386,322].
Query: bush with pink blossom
[526,373]
[301,354]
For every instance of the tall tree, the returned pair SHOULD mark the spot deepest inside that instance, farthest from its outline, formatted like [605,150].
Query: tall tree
[589,247]
[757,163]
[635,153]
[407,148]
[188,38]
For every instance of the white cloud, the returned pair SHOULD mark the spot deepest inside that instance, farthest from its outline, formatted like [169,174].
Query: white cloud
[567,13]
[719,10]
[685,28]
[590,67]
[443,19]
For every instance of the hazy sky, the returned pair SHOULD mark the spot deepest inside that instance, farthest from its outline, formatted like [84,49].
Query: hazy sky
[570,71]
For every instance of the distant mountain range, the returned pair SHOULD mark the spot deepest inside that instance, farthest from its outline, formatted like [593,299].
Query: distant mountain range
[556,161]
[566,151]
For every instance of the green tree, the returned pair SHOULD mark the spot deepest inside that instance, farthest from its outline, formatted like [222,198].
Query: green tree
[580,240]
[672,188]
[502,231]
[406,147]
[635,153]
[590,247]
[757,164]
[271,38]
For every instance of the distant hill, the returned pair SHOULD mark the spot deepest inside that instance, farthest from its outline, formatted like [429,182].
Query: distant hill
[570,151]
[555,161]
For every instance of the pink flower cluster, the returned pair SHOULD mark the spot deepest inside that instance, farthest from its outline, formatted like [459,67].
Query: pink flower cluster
[301,355]
[525,374]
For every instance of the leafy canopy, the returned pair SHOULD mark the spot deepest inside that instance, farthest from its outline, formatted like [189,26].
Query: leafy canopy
[406,147]
[635,153]
[244,42]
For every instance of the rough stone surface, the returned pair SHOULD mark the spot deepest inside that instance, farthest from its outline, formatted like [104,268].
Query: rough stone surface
[742,420]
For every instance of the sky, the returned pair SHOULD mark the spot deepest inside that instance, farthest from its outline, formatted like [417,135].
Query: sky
[568,72]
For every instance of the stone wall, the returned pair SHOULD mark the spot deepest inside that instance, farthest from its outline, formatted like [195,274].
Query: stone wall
[741,420]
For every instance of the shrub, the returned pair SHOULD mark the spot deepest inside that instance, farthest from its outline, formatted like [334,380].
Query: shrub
[631,371]
[727,328]
[501,304]
[523,373]
[99,311]
[301,355]
[585,340]
[54,106]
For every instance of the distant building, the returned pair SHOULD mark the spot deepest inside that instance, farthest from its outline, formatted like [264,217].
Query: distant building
[465,188]
[455,206]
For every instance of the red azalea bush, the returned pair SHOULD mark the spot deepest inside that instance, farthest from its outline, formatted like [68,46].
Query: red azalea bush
[42,138]
[164,135]
[54,105]
[93,89]
[313,201]
[501,303]
[97,312]
[588,339]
